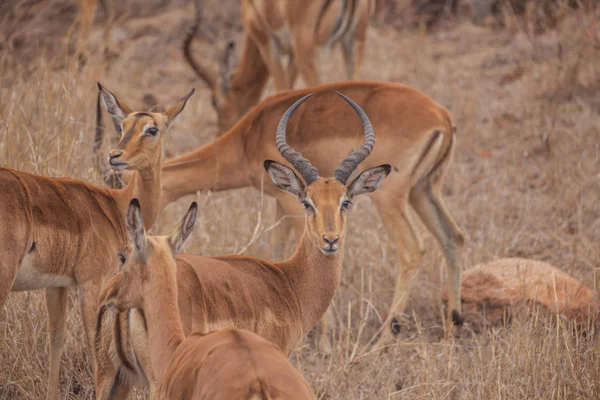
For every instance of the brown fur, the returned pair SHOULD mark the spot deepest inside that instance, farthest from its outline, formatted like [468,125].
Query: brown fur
[223,365]
[414,134]
[274,30]
[501,285]
[279,301]
[59,233]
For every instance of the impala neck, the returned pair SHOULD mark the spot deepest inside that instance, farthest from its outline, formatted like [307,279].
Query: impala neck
[315,277]
[220,165]
[144,185]
[249,78]
[161,310]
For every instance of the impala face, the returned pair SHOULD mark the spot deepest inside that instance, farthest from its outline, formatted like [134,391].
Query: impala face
[326,200]
[151,259]
[140,144]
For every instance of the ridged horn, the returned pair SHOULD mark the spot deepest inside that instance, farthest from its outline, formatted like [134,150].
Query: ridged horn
[298,161]
[343,172]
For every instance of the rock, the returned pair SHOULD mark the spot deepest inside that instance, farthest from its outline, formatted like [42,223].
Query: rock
[493,290]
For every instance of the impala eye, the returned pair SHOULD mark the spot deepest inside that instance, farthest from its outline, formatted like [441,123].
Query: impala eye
[214,102]
[346,204]
[152,131]
[122,258]
[307,205]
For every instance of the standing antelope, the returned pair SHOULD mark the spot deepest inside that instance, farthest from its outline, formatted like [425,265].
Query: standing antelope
[59,232]
[222,365]
[415,134]
[281,38]
[279,301]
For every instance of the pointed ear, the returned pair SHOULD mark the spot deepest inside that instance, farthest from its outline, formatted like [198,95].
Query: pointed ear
[183,231]
[285,179]
[369,180]
[135,226]
[174,110]
[227,65]
[115,107]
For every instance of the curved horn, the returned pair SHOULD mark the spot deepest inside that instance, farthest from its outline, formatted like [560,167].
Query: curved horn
[201,71]
[343,172]
[302,165]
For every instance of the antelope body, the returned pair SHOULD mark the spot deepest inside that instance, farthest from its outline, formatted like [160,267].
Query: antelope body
[224,365]
[59,232]
[415,135]
[280,301]
[281,39]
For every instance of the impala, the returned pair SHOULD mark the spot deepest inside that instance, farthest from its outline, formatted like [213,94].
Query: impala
[59,232]
[415,134]
[222,365]
[281,38]
[278,301]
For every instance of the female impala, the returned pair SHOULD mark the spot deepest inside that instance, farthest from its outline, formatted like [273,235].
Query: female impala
[223,365]
[281,38]
[59,232]
[279,301]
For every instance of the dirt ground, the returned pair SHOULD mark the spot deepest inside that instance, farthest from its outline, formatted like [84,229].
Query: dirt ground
[525,182]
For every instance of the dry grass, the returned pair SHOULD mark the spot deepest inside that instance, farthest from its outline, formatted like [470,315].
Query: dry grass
[525,182]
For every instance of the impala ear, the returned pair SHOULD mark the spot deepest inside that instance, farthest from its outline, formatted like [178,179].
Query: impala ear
[285,179]
[115,107]
[369,180]
[183,231]
[174,110]
[135,226]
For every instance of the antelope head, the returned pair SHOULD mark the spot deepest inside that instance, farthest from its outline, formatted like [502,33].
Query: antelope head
[140,144]
[150,258]
[327,200]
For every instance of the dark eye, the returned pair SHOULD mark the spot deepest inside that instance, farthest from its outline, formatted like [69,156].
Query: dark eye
[122,258]
[214,102]
[152,131]
[346,204]
[307,205]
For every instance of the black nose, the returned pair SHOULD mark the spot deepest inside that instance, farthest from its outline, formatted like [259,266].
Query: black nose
[331,241]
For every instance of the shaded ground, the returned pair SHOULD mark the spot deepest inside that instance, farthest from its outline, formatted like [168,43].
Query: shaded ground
[525,182]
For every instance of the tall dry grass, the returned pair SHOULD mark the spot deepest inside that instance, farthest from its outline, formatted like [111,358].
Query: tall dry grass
[524,182]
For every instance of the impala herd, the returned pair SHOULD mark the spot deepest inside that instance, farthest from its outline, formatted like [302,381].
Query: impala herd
[191,326]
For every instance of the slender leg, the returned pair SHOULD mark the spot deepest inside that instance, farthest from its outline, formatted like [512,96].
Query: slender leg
[88,301]
[56,304]
[305,54]
[426,200]
[292,72]
[87,11]
[396,219]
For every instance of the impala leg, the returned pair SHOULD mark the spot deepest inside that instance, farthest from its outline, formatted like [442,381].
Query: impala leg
[88,301]
[109,12]
[352,49]
[291,72]
[305,54]
[56,305]
[396,219]
[87,10]
[427,201]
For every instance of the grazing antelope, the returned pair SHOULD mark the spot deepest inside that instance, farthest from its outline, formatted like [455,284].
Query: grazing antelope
[281,38]
[222,365]
[415,134]
[59,232]
[279,301]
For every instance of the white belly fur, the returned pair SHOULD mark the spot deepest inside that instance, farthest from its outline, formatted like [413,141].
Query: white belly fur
[30,278]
